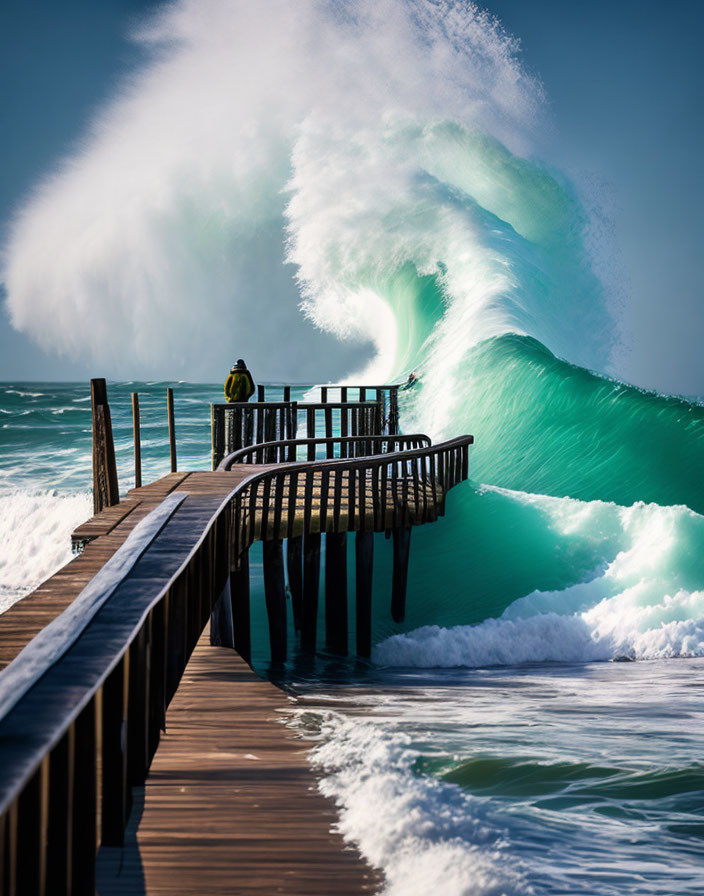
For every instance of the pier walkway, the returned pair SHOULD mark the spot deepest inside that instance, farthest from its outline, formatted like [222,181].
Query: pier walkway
[109,688]
[230,804]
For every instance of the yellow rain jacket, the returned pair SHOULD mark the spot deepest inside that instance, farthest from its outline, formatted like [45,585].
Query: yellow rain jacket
[239,385]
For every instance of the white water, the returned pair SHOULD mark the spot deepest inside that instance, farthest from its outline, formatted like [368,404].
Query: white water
[642,602]
[356,138]
[35,537]
[428,836]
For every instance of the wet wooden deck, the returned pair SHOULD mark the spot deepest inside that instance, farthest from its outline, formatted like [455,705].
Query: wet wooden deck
[231,804]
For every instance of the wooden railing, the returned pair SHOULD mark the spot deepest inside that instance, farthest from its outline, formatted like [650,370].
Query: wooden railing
[300,502]
[239,424]
[386,396]
[79,725]
[289,450]
[373,493]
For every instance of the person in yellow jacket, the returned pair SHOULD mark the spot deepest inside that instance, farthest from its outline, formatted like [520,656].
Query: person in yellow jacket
[239,386]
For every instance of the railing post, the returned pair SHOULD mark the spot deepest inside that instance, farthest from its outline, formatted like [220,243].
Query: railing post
[60,825]
[32,817]
[105,487]
[157,675]
[137,724]
[393,411]
[136,430]
[84,804]
[172,428]
[115,801]
[364,550]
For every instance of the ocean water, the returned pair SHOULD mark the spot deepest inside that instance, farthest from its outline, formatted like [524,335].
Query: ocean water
[495,744]
[535,726]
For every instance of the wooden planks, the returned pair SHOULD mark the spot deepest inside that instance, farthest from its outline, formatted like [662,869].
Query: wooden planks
[230,804]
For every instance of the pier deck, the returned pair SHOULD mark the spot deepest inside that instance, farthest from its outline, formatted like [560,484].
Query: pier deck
[119,692]
[230,804]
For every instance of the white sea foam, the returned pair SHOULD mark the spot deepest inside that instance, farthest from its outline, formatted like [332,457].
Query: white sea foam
[644,602]
[398,142]
[427,836]
[35,538]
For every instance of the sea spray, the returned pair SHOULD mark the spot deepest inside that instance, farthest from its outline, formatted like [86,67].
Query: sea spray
[35,535]
[403,142]
[427,836]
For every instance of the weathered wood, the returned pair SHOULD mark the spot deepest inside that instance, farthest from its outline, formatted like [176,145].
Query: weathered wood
[275,595]
[105,487]
[364,550]
[402,546]
[336,592]
[231,804]
[172,429]
[136,430]
[311,583]
[138,718]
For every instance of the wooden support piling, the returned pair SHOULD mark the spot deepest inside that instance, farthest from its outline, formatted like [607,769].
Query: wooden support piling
[364,550]
[311,583]
[402,544]
[336,593]
[105,487]
[294,567]
[239,595]
[275,595]
[172,428]
[137,431]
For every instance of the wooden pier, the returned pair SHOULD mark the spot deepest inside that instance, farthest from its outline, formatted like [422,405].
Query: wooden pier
[95,656]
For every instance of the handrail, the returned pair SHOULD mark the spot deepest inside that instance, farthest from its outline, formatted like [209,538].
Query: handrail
[280,451]
[373,478]
[110,656]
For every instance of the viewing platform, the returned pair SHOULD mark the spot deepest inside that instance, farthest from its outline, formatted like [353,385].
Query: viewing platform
[110,685]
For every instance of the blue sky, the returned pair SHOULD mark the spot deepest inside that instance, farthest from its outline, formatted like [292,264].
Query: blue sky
[625,83]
